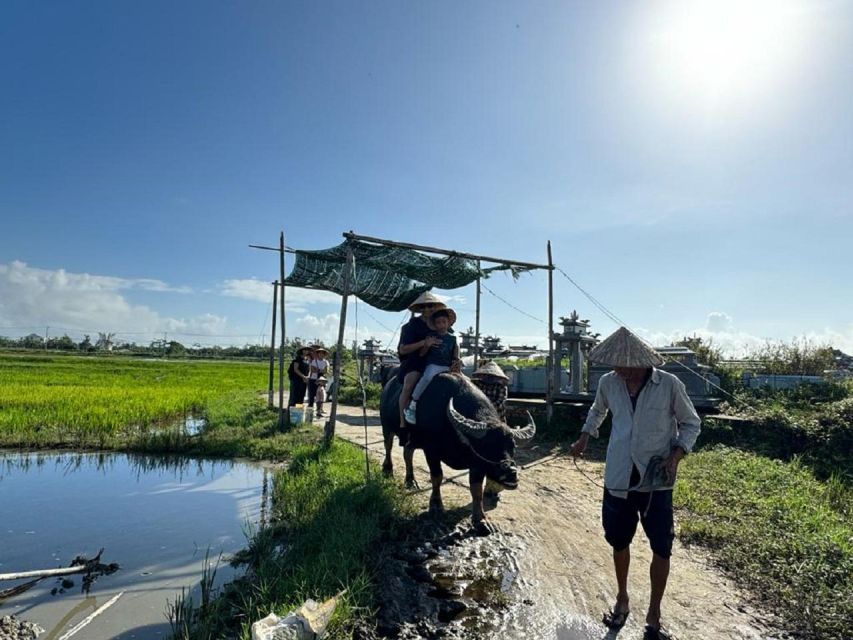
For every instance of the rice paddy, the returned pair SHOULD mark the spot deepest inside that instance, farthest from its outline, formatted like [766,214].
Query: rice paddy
[107,401]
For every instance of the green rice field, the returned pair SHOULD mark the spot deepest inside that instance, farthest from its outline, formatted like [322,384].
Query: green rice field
[87,401]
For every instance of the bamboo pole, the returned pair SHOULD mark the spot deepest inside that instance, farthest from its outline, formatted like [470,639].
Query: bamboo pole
[477,324]
[549,398]
[270,402]
[418,247]
[281,408]
[333,412]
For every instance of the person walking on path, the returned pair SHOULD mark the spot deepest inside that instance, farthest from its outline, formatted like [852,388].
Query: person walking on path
[654,426]
[297,374]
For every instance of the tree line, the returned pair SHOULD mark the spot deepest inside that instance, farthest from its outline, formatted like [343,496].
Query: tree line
[106,343]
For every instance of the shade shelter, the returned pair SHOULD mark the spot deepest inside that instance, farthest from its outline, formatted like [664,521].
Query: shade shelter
[390,275]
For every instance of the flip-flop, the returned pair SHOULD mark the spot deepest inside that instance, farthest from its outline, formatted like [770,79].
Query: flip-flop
[657,633]
[615,619]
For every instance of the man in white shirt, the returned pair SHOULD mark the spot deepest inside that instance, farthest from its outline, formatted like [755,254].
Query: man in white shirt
[654,427]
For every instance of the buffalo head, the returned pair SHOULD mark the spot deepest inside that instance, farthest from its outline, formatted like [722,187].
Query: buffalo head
[493,443]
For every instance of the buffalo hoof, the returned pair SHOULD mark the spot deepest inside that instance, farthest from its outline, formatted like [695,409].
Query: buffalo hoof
[482,527]
[387,469]
[411,483]
[436,506]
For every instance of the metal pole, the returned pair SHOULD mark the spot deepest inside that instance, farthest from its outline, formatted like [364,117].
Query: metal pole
[333,412]
[477,325]
[549,398]
[281,408]
[272,343]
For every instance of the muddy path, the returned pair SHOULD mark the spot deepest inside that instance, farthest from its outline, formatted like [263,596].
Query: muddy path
[547,563]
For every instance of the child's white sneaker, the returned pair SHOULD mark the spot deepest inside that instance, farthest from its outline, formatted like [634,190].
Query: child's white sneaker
[410,413]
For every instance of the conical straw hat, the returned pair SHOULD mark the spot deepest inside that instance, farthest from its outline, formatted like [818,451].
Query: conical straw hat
[624,349]
[489,369]
[426,297]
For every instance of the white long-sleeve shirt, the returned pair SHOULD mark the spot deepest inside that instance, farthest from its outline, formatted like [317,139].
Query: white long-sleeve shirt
[664,418]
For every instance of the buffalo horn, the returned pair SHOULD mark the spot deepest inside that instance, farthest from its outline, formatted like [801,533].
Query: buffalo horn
[525,433]
[466,426]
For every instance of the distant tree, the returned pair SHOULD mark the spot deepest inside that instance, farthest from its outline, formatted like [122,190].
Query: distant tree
[175,348]
[798,357]
[32,341]
[706,352]
[105,341]
[63,344]
[86,344]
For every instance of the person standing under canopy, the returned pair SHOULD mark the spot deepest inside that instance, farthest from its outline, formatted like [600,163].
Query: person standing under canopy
[297,374]
[654,427]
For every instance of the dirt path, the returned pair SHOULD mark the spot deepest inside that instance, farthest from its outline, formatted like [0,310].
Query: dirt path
[564,566]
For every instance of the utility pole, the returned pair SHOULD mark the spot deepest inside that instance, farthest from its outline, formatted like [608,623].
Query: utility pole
[270,401]
[46,331]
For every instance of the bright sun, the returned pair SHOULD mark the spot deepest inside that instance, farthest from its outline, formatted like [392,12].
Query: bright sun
[725,51]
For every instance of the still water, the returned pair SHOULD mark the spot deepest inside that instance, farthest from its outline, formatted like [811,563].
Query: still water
[155,516]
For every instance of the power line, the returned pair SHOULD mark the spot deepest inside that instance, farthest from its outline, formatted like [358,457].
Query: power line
[509,304]
[620,322]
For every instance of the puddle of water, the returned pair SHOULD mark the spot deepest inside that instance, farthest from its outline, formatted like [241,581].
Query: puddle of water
[155,516]
[194,426]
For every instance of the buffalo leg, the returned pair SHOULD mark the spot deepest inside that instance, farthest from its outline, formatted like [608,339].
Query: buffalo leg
[475,478]
[408,458]
[436,477]
[387,464]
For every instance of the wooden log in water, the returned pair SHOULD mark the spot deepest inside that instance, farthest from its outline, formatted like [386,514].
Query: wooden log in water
[21,588]
[85,566]
[44,573]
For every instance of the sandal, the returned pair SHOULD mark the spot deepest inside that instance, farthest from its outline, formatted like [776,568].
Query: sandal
[657,633]
[615,619]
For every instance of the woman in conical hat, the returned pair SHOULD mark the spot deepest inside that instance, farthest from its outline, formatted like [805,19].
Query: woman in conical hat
[654,426]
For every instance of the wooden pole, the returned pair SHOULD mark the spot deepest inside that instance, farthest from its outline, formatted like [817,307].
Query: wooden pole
[333,412]
[477,325]
[270,402]
[408,245]
[549,399]
[281,408]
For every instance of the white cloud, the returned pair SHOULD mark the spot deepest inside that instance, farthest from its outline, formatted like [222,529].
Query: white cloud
[261,291]
[718,321]
[31,298]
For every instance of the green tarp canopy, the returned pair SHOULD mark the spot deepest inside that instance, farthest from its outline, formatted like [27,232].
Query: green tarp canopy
[388,278]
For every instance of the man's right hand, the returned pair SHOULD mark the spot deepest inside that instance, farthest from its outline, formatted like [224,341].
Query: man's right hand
[579,445]
[431,341]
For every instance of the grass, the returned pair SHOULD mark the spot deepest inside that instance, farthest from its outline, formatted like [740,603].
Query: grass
[330,524]
[110,402]
[776,529]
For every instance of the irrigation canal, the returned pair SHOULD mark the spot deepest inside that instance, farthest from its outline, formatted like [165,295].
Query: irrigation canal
[156,516]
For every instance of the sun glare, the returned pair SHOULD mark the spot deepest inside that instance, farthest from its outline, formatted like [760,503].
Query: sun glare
[726,51]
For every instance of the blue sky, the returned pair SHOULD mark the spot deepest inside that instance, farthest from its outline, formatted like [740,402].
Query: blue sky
[691,162]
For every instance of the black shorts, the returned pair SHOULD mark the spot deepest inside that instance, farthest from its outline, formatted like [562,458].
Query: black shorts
[620,515]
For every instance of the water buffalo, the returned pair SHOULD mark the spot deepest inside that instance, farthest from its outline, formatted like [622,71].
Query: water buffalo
[456,425]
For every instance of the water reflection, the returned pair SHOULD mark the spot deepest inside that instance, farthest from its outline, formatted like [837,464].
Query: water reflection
[105,462]
[155,515]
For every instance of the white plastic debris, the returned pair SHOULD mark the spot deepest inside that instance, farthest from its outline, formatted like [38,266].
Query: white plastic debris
[309,622]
